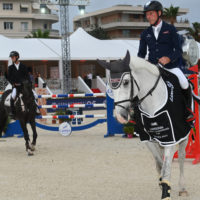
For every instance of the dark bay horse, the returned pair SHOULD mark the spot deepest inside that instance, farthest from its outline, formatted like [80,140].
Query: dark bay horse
[25,107]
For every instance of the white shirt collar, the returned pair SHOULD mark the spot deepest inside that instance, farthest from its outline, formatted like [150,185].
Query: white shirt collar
[156,29]
[17,65]
[158,26]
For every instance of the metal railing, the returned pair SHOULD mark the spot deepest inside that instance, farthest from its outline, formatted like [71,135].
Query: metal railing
[138,20]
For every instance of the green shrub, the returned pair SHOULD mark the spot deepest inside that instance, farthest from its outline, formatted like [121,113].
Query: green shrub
[128,128]
[64,112]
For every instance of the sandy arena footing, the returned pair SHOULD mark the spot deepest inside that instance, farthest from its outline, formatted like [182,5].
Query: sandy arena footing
[85,166]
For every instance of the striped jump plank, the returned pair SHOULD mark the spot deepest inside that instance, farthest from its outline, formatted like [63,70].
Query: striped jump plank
[74,106]
[71,95]
[70,116]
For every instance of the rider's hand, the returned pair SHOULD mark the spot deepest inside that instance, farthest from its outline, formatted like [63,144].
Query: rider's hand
[164,60]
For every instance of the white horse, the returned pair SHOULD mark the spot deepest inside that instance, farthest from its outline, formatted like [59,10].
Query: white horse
[140,79]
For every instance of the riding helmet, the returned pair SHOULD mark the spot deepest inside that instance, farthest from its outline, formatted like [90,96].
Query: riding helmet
[153,5]
[14,53]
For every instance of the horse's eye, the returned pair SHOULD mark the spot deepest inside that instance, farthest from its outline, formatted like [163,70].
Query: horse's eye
[126,82]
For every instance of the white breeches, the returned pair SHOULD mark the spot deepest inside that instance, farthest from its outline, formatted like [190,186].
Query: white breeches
[181,77]
[14,93]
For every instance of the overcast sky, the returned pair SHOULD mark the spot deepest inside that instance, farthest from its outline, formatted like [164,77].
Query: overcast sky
[193,5]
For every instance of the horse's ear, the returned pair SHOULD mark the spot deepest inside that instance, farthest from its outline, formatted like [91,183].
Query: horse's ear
[127,58]
[104,64]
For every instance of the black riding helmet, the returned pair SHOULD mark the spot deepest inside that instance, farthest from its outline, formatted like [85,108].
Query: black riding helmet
[154,6]
[14,53]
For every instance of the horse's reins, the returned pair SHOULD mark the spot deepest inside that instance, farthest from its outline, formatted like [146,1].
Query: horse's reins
[136,101]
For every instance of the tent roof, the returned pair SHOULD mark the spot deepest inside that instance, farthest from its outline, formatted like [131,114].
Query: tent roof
[82,45]
[85,47]
[29,49]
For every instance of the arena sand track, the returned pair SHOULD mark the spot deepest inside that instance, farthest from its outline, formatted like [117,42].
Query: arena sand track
[85,166]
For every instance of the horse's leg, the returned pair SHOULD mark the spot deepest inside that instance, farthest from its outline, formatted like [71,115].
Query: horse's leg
[181,155]
[33,126]
[26,136]
[166,171]
[157,153]
[3,120]
[2,124]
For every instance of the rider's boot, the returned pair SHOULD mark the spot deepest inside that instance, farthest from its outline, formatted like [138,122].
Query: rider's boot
[190,118]
[12,106]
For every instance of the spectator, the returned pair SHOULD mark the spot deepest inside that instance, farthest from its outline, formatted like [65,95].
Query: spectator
[31,75]
[36,79]
[89,77]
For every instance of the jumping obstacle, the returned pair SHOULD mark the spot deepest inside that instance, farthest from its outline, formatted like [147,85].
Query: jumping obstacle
[71,95]
[69,116]
[75,105]
[14,128]
[113,127]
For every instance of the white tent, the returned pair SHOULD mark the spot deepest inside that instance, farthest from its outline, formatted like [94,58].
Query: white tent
[83,47]
[30,49]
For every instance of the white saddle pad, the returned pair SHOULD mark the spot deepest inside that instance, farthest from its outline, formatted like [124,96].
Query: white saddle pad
[7,101]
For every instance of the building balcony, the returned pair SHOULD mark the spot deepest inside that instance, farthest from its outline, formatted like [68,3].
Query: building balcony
[122,24]
[21,33]
[49,17]
[53,33]
[138,24]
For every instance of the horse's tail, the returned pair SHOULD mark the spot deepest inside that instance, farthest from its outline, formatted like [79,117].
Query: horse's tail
[4,114]
[3,118]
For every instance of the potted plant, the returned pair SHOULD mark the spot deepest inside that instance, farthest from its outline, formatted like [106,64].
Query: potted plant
[63,112]
[53,121]
[129,129]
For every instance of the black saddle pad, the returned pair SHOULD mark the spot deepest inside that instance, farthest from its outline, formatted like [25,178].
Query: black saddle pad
[168,126]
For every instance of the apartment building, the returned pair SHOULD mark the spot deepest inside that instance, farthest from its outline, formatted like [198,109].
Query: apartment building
[122,21]
[18,18]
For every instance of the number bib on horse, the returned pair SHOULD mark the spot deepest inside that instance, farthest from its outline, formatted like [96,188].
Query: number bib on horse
[168,126]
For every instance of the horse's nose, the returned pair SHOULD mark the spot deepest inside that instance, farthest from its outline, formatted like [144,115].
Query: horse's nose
[124,114]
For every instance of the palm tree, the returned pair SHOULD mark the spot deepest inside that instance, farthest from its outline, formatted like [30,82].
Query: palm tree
[171,13]
[99,33]
[195,31]
[39,34]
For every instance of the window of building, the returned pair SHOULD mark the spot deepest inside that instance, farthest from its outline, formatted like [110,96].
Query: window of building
[23,9]
[44,9]
[24,26]
[45,26]
[126,33]
[7,6]
[136,16]
[8,25]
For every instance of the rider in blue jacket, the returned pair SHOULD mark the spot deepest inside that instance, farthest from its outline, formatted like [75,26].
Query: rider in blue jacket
[164,47]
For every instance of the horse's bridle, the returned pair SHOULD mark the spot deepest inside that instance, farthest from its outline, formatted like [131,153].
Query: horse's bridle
[135,101]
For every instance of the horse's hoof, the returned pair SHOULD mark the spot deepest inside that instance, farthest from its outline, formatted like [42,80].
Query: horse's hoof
[32,147]
[166,190]
[183,194]
[30,153]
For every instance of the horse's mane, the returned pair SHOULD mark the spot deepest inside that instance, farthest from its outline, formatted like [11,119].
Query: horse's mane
[138,63]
